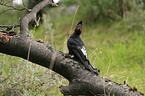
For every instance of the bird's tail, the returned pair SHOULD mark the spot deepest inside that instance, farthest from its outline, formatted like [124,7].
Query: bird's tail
[90,68]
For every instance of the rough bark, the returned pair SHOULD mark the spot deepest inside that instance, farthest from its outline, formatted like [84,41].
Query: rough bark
[31,4]
[82,82]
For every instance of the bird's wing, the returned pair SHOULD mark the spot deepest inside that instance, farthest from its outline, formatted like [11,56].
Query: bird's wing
[78,54]
[81,55]
[78,51]
[83,50]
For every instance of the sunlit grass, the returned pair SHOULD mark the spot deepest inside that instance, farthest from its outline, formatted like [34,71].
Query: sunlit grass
[121,58]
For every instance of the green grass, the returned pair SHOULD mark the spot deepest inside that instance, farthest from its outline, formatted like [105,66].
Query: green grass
[26,78]
[120,58]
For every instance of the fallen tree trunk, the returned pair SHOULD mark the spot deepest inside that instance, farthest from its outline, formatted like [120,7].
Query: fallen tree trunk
[82,81]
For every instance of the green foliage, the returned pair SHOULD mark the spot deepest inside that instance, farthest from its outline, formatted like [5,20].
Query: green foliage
[68,2]
[106,10]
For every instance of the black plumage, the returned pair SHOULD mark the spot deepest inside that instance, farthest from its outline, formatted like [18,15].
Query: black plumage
[76,47]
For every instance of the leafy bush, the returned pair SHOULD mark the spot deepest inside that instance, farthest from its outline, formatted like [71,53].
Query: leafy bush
[93,10]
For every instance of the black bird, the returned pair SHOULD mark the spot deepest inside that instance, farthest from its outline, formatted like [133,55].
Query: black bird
[76,47]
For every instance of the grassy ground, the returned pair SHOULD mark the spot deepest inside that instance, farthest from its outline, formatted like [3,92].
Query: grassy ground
[117,48]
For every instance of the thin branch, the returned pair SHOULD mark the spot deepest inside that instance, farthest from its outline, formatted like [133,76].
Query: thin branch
[5,4]
[9,27]
[3,31]
[10,10]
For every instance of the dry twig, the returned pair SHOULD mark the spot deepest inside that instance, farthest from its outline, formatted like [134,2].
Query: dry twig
[9,27]
[13,8]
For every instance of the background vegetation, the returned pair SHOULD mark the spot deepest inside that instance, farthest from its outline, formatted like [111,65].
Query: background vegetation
[113,33]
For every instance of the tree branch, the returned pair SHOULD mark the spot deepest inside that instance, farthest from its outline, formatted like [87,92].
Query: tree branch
[32,16]
[14,8]
[9,27]
[82,81]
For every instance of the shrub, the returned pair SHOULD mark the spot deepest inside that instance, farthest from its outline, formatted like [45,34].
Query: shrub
[93,10]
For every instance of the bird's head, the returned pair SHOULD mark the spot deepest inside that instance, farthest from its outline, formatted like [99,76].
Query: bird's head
[78,28]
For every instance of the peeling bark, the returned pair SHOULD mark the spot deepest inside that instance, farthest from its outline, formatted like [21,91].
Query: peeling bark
[82,81]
